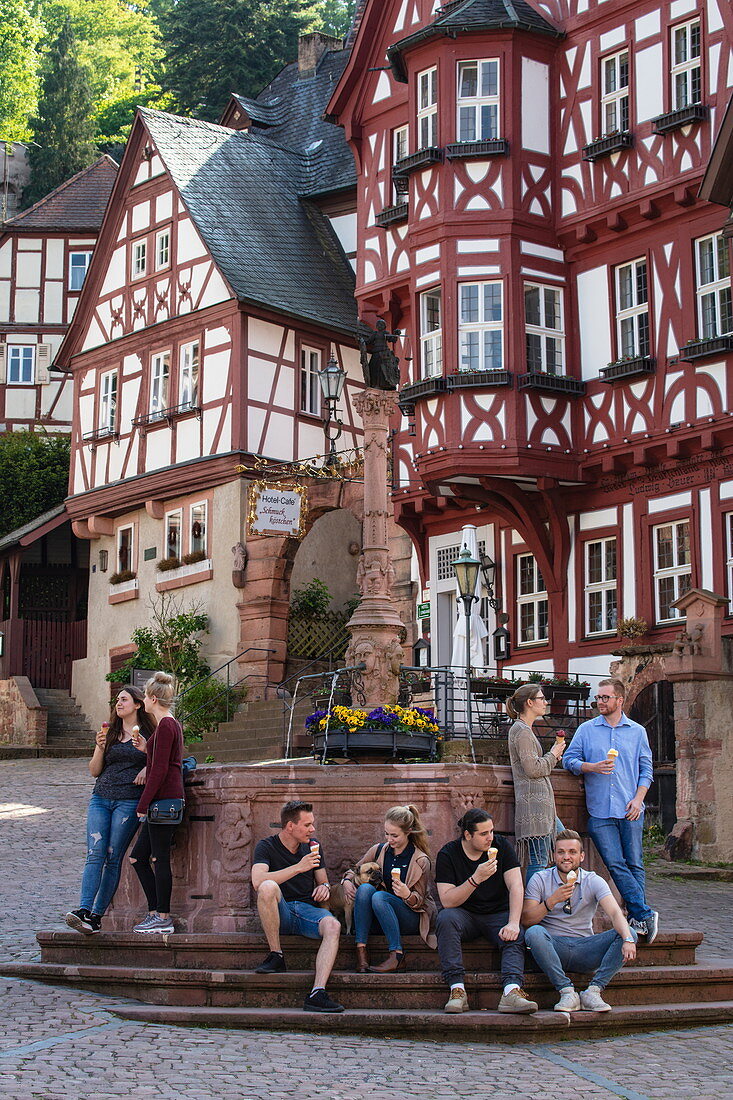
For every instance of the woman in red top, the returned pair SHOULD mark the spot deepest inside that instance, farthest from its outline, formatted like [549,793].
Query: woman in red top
[151,856]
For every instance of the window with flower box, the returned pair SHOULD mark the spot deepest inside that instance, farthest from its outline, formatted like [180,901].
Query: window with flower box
[108,401]
[478,100]
[544,329]
[480,326]
[159,379]
[197,532]
[431,333]
[427,108]
[714,313]
[188,391]
[685,75]
[632,309]
[615,93]
[173,526]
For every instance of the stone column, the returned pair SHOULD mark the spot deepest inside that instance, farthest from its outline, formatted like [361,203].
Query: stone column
[376,629]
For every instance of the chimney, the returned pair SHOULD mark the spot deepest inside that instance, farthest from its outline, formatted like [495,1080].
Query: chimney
[311,48]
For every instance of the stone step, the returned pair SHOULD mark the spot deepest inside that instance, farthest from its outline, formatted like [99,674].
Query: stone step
[635,986]
[466,1027]
[245,951]
[32,752]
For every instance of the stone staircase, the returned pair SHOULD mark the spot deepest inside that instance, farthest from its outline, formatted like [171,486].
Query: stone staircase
[208,980]
[69,731]
[258,731]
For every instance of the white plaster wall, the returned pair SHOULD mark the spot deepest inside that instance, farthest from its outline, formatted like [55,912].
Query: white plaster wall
[594,321]
[535,106]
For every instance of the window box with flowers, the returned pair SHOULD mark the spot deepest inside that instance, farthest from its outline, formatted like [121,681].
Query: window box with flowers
[123,586]
[629,366]
[389,731]
[607,144]
[179,572]
[703,349]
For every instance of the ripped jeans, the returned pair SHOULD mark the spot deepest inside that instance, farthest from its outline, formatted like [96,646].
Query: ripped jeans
[111,825]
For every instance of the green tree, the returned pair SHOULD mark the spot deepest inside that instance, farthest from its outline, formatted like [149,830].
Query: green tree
[34,475]
[20,32]
[336,16]
[64,132]
[216,47]
[119,44]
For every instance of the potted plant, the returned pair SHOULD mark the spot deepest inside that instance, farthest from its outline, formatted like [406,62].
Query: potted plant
[123,576]
[165,564]
[632,628]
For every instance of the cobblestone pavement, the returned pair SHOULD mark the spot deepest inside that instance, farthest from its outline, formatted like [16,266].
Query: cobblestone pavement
[58,1043]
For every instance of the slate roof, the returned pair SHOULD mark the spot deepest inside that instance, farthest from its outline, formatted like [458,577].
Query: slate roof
[244,195]
[466,16]
[78,204]
[291,110]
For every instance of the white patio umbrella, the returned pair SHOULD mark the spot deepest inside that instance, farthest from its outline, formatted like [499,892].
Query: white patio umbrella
[478,631]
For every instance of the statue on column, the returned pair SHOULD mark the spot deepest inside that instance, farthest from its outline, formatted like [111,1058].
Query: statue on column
[379,363]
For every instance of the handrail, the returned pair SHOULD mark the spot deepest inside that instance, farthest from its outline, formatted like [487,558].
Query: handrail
[249,649]
[299,675]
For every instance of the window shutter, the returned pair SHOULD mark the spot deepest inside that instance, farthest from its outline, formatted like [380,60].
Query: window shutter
[43,364]
[3,368]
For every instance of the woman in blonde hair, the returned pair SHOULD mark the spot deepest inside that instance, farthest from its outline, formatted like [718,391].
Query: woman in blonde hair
[151,856]
[404,905]
[535,818]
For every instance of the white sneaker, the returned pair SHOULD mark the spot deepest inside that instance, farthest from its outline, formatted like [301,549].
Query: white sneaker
[145,923]
[163,925]
[592,1001]
[569,1001]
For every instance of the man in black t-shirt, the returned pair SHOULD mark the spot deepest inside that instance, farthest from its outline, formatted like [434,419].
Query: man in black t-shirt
[480,886]
[289,875]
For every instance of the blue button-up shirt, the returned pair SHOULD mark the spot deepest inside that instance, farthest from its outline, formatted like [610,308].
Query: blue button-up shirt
[608,795]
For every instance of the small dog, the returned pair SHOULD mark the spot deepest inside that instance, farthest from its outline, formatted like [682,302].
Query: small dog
[338,903]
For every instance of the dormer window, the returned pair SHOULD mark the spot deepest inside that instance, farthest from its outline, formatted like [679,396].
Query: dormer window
[427,108]
[478,100]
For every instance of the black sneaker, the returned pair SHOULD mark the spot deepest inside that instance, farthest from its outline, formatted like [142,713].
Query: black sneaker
[321,1002]
[273,964]
[81,920]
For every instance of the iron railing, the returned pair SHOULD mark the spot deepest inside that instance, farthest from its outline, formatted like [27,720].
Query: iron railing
[227,693]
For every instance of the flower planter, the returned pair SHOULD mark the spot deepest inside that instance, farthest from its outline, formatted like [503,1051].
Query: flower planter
[565,691]
[423,158]
[628,368]
[703,349]
[373,742]
[476,379]
[393,214]
[683,116]
[610,143]
[467,150]
[486,690]
[553,383]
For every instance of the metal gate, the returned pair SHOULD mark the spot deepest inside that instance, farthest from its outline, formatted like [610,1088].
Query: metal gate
[654,709]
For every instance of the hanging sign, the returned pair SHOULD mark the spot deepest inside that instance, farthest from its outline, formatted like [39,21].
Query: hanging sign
[274,510]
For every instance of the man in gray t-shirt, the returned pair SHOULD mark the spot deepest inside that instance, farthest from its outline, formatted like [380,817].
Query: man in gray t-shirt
[559,906]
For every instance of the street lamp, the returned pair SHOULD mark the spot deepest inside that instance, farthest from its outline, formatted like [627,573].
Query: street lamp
[466,570]
[488,571]
[332,379]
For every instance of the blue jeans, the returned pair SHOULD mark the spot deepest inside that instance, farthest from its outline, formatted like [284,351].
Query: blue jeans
[391,913]
[599,955]
[300,918]
[619,843]
[538,848]
[111,825]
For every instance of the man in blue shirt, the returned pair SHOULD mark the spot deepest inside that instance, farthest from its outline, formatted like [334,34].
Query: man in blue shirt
[612,754]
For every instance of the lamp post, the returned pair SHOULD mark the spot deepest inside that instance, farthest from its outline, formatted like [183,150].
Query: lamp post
[332,379]
[467,569]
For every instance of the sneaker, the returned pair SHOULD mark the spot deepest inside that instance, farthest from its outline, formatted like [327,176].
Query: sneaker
[592,1001]
[517,1001]
[458,1001]
[638,925]
[569,1001]
[81,920]
[273,964]
[319,1001]
[652,927]
[145,924]
[163,925]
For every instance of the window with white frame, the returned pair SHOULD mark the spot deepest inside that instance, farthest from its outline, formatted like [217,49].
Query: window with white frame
[544,329]
[480,326]
[714,314]
[400,143]
[310,386]
[108,401]
[189,374]
[427,108]
[729,558]
[125,543]
[21,369]
[78,264]
[431,333]
[478,100]
[532,602]
[601,596]
[632,309]
[160,366]
[615,93]
[685,69]
[197,539]
[173,525]
[162,249]
[139,254]
[672,567]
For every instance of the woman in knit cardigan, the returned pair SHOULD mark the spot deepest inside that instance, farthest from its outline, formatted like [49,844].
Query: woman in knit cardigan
[405,904]
[535,818]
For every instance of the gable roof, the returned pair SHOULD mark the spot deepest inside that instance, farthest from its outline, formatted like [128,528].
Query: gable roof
[244,196]
[76,205]
[289,113]
[467,16]
[34,529]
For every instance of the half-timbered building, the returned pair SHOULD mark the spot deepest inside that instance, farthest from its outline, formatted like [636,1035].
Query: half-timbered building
[221,286]
[44,255]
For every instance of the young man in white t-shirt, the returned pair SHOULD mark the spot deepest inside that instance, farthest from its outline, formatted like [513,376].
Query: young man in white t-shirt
[558,927]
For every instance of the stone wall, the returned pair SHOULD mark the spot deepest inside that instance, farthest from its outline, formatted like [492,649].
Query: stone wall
[22,718]
[704,739]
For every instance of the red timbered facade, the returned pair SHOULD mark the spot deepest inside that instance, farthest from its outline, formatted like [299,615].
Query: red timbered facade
[528,216]
[45,252]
